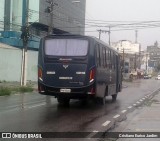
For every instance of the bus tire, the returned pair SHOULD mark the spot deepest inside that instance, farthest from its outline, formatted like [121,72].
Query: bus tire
[114,97]
[63,101]
[104,97]
[104,100]
[101,100]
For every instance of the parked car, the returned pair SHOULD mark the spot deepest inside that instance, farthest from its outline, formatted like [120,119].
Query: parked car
[146,76]
[158,77]
[150,76]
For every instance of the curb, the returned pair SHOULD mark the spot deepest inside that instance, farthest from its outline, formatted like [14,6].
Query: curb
[109,125]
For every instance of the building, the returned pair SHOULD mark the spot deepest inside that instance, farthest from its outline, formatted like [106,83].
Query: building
[145,64]
[154,53]
[130,53]
[68,17]
[126,46]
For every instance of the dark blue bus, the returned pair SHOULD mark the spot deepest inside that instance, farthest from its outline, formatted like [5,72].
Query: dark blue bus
[78,67]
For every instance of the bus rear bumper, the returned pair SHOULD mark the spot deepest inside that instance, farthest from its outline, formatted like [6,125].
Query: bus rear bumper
[73,93]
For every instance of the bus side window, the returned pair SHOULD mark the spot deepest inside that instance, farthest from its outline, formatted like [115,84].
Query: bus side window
[113,61]
[98,55]
[110,60]
[104,57]
[101,56]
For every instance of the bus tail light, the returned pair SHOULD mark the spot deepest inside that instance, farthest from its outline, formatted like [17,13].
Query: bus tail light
[40,74]
[92,75]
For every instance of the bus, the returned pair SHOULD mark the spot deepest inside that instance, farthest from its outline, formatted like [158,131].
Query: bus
[78,67]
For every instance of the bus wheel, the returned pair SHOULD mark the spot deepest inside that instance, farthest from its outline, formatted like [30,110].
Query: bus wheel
[104,97]
[100,100]
[104,100]
[63,101]
[114,97]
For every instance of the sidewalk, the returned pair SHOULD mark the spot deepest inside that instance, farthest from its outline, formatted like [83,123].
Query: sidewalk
[144,119]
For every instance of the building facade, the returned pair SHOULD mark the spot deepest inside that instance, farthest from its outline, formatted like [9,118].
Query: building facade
[68,17]
[130,53]
[126,46]
[154,53]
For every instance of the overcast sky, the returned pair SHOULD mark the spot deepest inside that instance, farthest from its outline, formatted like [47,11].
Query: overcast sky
[124,10]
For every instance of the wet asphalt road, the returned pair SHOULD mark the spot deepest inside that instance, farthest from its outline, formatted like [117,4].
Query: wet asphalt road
[38,113]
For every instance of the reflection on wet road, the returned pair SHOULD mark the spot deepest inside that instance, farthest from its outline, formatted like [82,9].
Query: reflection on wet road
[34,112]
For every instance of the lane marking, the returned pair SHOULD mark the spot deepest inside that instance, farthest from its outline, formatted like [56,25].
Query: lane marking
[106,123]
[124,111]
[17,94]
[116,116]
[134,104]
[38,105]
[137,102]
[143,98]
[129,107]
[92,134]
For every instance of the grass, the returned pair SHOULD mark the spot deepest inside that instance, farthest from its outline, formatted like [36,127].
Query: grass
[25,89]
[4,91]
[12,90]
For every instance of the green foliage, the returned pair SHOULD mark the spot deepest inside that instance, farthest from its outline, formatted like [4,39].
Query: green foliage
[4,91]
[25,89]
[12,90]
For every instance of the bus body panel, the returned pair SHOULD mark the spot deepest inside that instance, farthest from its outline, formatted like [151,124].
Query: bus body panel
[71,76]
[65,74]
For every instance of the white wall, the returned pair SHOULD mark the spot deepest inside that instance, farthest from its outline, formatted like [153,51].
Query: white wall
[10,64]
[32,65]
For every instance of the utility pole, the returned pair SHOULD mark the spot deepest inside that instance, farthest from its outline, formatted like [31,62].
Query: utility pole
[123,59]
[146,62]
[99,33]
[135,62]
[24,37]
[136,36]
[49,10]
[139,56]
[105,31]
[109,34]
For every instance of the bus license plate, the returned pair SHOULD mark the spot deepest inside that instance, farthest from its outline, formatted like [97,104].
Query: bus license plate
[65,90]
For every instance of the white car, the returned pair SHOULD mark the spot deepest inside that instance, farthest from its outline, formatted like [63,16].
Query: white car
[158,77]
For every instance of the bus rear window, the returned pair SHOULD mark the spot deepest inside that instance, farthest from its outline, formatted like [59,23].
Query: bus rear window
[66,47]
